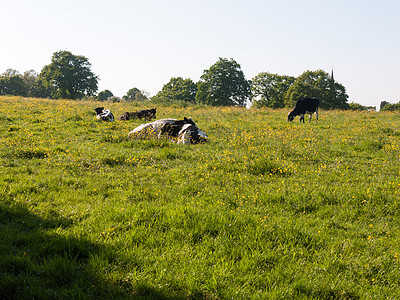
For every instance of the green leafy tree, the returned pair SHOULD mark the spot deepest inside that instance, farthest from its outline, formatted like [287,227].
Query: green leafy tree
[383,104]
[69,76]
[317,84]
[131,94]
[30,78]
[268,90]
[223,84]
[179,89]
[103,96]
[13,85]
[134,94]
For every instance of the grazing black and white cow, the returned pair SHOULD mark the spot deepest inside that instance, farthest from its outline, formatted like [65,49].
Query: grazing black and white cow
[104,114]
[304,106]
[181,131]
[140,114]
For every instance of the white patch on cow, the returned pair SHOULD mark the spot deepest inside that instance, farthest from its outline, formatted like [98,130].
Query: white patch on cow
[184,138]
[184,135]
[311,114]
[160,123]
[142,131]
[149,130]
[184,128]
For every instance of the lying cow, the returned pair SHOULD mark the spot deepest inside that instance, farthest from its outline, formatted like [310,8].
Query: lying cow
[140,114]
[304,106]
[182,131]
[104,114]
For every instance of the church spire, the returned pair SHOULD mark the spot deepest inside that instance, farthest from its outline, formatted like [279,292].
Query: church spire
[332,88]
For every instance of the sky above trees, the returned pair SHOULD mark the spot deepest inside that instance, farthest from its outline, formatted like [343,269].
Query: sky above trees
[144,44]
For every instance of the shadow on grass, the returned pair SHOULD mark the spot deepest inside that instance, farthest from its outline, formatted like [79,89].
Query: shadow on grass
[36,264]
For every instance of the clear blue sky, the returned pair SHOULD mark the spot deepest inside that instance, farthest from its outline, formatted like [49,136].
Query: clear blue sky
[144,43]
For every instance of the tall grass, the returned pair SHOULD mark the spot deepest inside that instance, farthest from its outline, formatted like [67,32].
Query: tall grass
[266,210]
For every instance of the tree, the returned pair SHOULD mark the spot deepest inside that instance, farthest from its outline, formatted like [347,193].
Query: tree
[13,85]
[268,90]
[134,94]
[179,89]
[104,95]
[317,84]
[131,94]
[69,76]
[383,104]
[30,78]
[223,84]
[28,84]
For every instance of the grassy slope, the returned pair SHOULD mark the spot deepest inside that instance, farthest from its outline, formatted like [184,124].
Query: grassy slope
[267,209]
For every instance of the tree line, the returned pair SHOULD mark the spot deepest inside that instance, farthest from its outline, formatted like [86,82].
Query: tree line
[69,76]
[386,106]
[225,84]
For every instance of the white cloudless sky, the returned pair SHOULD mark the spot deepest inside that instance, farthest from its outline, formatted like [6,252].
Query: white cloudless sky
[144,43]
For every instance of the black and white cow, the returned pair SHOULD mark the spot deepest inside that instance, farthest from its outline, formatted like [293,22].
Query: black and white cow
[304,106]
[104,114]
[181,131]
[140,114]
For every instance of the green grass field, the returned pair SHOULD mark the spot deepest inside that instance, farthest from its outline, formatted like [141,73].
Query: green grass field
[266,210]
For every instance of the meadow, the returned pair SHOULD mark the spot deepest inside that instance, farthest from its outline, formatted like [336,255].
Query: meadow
[266,210]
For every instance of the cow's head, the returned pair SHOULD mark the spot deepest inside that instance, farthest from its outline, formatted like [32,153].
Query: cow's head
[189,121]
[290,117]
[98,110]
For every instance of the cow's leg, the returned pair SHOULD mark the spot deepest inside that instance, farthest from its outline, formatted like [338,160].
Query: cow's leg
[309,120]
[301,118]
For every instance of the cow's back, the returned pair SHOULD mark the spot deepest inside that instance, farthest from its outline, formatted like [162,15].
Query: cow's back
[311,104]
